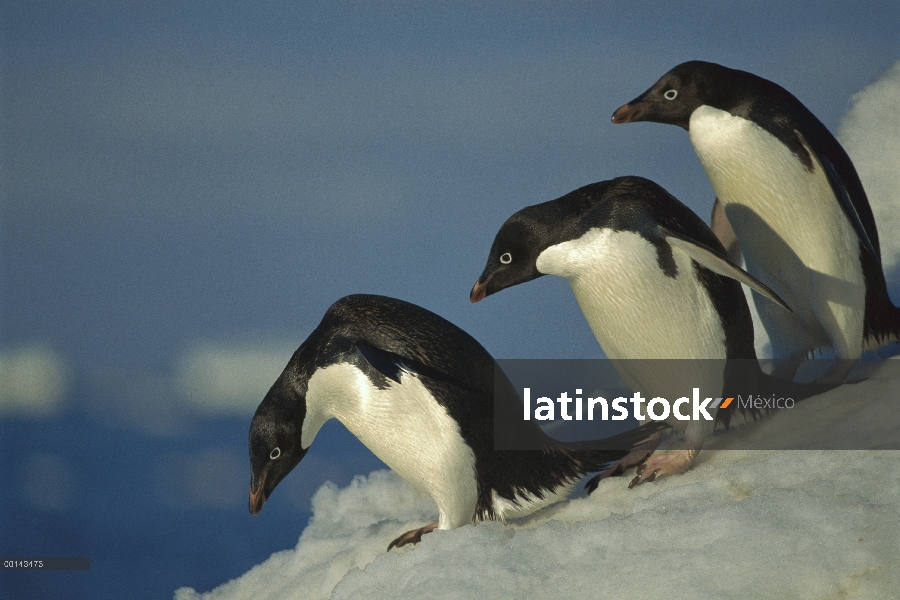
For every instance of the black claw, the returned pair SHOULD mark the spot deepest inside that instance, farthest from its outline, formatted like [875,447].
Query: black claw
[404,540]
[641,479]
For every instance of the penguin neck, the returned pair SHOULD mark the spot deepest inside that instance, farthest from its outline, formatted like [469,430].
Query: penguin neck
[592,264]
[332,392]
[344,392]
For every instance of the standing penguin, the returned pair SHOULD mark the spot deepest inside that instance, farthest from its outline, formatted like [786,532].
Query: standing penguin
[418,392]
[795,203]
[653,282]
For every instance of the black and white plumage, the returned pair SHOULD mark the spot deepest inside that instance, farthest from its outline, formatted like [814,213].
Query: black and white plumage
[795,203]
[652,282]
[419,393]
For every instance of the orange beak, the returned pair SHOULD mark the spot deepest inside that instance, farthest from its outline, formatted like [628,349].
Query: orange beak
[258,498]
[479,291]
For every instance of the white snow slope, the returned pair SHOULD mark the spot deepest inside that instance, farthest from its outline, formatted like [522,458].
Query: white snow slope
[740,524]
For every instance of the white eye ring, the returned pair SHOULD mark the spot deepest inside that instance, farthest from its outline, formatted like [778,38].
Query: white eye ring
[671,94]
[505,258]
[275,453]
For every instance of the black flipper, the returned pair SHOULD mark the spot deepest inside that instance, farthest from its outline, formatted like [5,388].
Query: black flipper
[717,262]
[393,365]
[843,196]
[387,363]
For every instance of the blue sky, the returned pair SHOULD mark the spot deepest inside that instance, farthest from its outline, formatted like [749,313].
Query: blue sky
[177,174]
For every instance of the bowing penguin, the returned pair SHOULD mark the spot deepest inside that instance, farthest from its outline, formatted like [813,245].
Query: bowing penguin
[798,210]
[419,393]
[652,282]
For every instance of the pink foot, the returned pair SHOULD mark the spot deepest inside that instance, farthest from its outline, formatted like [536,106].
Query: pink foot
[412,537]
[635,457]
[667,463]
[722,228]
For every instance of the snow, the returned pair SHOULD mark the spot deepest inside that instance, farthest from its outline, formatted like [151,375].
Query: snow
[741,524]
[799,523]
[870,133]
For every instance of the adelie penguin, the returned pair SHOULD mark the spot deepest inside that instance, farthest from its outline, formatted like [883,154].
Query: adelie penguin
[419,393]
[796,206]
[653,282]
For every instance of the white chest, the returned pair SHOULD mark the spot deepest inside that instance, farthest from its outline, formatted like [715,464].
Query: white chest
[785,217]
[406,428]
[637,312]
[633,308]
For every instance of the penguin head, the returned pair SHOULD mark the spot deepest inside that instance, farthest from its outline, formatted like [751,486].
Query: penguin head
[513,256]
[534,241]
[675,96]
[276,442]
[520,248]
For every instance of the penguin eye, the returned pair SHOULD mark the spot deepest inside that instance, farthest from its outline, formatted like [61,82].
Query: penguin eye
[505,258]
[671,94]
[275,453]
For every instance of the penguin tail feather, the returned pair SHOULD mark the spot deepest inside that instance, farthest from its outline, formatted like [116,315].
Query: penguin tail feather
[884,331]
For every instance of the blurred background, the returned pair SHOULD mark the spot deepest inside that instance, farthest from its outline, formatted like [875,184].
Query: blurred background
[186,188]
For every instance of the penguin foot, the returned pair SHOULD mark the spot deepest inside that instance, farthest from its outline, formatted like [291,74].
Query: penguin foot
[721,227]
[667,463]
[412,537]
[636,457]
[617,469]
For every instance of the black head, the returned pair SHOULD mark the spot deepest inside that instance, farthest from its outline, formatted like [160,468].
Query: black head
[621,203]
[513,255]
[276,446]
[678,93]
